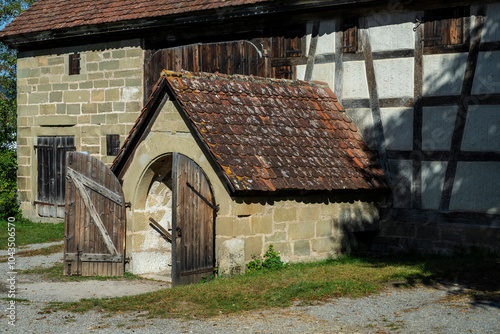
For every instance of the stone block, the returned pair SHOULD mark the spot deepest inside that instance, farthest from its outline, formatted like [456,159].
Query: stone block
[112,118]
[135,73]
[73,109]
[97,96]
[60,86]
[111,95]
[276,237]
[130,63]
[28,72]
[28,110]
[57,60]
[44,88]
[57,70]
[118,53]
[89,108]
[284,249]
[22,99]
[38,98]
[241,226]
[117,83]
[76,96]
[56,120]
[101,83]
[55,97]
[106,107]
[325,245]
[128,117]
[98,119]
[287,214]
[133,82]
[136,52]
[47,109]
[133,107]
[253,246]
[61,108]
[309,213]
[119,106]
[302,248]
[244,208]
[224,226]
[324,228]
[303,230]
[86,85]
[262,224]
[231,257]
[109,65]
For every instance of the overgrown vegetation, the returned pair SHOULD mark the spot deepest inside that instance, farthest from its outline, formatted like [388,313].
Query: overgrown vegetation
[304,284]
[271,261]
[31,233]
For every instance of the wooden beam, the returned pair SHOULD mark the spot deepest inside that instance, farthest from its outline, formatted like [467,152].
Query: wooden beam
[95,218]
[312,51]
[463,108]
[416,190]
[112,196]
[378,127]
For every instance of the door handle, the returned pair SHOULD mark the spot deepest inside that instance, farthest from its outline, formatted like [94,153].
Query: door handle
[179,232]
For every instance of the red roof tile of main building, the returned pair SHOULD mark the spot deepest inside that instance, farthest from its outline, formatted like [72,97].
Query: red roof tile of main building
[45,15]
[270,135]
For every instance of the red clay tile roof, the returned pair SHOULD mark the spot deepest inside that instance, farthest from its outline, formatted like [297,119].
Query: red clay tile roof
[269,135]
[45,15]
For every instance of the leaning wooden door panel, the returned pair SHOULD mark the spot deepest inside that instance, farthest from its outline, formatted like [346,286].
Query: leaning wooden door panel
[193,222]
[95,219]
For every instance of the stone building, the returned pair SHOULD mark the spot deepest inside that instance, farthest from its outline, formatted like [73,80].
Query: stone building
[419,79]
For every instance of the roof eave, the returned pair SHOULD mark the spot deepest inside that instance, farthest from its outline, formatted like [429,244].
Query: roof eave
[191,18]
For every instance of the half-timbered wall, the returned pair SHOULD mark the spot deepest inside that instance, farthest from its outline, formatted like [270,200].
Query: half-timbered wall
[430,110]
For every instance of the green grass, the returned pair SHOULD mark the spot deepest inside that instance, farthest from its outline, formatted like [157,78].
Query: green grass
[55,273]
[302,284]
[27,232]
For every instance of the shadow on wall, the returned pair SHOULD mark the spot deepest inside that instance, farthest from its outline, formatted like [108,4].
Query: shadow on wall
[474,181]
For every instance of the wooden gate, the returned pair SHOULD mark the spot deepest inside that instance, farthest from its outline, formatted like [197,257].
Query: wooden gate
[193,222]
[94,243]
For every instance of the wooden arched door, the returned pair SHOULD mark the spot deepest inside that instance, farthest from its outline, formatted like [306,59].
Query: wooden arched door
[193,222]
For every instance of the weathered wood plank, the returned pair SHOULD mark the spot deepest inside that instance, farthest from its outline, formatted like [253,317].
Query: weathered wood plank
[95,186]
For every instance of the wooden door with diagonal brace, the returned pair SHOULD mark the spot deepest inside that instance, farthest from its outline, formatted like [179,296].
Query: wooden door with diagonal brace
[94,243]
[194,212]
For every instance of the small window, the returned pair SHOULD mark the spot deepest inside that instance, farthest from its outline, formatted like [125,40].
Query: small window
[112,144]
[74,64]
[350,39]
[447,26]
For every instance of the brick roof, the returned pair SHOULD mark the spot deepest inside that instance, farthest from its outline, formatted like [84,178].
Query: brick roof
[46,15]
[269,135]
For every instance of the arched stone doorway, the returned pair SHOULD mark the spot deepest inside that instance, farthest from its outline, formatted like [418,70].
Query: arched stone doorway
[176,193]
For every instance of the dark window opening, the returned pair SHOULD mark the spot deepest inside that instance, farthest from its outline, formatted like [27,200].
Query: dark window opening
[350,38]
[74,64]
[448,26]
[51,178]
[112,145]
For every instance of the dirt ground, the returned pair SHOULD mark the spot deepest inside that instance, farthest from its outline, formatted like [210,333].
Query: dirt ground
[437,309]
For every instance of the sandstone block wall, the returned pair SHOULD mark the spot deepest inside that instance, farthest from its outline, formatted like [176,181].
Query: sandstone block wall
[105,98]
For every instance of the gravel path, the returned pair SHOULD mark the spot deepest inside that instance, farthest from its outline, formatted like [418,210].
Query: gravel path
[436,309]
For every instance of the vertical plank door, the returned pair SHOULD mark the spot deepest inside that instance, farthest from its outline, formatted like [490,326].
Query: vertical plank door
[193,222]
[94,243]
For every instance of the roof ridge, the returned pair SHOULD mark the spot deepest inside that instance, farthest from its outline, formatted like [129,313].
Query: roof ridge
[242,78]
